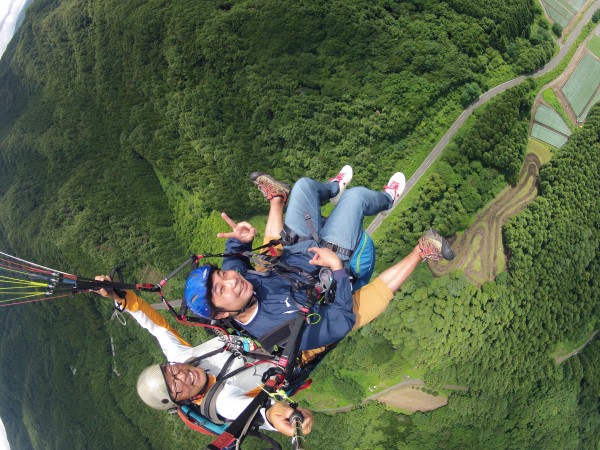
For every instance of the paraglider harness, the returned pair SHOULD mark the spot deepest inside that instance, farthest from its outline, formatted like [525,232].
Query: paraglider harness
[288,374]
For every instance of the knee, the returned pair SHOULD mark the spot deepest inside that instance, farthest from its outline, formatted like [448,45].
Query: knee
[355,194]
[302,183]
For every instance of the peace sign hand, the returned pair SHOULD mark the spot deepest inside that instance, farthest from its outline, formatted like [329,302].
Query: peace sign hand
[243,231]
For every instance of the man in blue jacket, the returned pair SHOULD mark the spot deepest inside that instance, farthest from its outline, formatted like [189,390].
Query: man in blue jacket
[264,304]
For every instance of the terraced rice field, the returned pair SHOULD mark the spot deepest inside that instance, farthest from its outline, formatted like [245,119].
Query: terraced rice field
[562,11]
[582,87]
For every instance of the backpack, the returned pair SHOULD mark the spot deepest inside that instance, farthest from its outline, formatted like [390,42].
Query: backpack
[362,263]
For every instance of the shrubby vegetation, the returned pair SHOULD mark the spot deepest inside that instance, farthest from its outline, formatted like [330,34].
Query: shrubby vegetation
[125,127]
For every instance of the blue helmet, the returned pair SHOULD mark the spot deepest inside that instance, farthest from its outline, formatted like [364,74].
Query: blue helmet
[197,291]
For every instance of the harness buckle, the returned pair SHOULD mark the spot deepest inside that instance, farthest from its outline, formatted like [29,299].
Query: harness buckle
[333,247]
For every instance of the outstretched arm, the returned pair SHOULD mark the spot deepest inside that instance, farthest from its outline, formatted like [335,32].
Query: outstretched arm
[171,343]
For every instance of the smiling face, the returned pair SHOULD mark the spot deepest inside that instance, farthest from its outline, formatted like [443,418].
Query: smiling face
[184,381]
[230,293]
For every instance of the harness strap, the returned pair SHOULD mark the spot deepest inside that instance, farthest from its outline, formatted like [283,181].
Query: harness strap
[208,407]
[197,359]
[289,237]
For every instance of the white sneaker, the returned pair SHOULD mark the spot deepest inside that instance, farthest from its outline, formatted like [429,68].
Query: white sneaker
[343,179]
[395,187]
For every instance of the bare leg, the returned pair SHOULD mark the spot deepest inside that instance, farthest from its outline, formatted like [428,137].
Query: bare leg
[275,218]
[399,272]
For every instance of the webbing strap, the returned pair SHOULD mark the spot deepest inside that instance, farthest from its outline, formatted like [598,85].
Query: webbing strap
[239,427]
[288,237]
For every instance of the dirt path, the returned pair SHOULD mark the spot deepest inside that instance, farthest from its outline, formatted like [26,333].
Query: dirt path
[479,250]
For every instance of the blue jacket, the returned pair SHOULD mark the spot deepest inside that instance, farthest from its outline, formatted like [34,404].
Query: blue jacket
[278,302]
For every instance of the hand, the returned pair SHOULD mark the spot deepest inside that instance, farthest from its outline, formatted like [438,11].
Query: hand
[326,258]
[243,231]
[279,415]
[108,293]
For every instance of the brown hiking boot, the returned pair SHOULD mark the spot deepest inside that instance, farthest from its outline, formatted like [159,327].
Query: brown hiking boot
[435,247]
[269,186]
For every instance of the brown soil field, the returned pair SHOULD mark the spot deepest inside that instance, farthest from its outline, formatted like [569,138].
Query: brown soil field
[411,399]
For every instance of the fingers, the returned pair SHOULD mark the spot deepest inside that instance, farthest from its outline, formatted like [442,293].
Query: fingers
[103,292]
[226,235]
[308,420]
[318,254]
[325,257]
[227,219]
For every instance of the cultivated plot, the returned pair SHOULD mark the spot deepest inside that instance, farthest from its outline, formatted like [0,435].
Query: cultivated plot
[593,46]
[551,119]
[562,11]
[591,103]
[548,135]
[581,88]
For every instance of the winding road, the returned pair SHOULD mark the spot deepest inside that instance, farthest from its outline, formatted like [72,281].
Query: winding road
[564,48]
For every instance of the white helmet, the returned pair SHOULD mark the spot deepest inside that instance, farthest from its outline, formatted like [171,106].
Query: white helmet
[152,388]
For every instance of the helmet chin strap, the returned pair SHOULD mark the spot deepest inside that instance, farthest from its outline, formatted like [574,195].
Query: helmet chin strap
[203,390]
[253,301]
[237,312]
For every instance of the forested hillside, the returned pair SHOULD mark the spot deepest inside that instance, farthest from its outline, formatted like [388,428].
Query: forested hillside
[126,126]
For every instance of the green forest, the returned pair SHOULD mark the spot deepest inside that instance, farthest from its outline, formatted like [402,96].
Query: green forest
[127,126]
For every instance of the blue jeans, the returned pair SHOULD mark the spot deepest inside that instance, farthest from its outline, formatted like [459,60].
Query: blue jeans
[344,226]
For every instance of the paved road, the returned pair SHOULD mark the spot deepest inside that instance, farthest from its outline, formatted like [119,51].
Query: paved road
[173,303]
[561,359]
[564,48]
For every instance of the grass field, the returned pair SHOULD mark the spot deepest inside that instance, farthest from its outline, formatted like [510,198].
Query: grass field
[583,83]
[548,136]
[593,45]
[540,149]
[549,117]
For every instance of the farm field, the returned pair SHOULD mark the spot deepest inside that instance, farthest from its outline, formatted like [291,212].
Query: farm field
[562,11]
[549,117]
[549,127]
[594,45]
[586,111]
[548,135]
[581,87]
